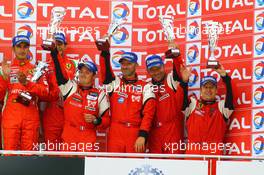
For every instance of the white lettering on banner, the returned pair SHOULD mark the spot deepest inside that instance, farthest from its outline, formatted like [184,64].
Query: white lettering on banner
[229,50]
[152,35]
[152,12]
[3,37]
[236,123]
[45,8]
[2,12]
[237,149]
[75,12]
[43,54]
[231,26]
[218,4]
[234,74]
[242,100]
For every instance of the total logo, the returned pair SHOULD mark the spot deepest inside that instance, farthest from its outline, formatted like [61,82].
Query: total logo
[259,22]
[194,8]
[259,3]
[258,95]
[25,30]
[258,70]
[258,145]
[193,30]
[194,79]
[259,46]
[122,36]
[121,11]
[258,120]
[115,59]
[193,53]
[25,10]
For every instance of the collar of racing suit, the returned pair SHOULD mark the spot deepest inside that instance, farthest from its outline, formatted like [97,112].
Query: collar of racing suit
[130,80]
[20,62]
[159,82]
[85,87]
[207,102]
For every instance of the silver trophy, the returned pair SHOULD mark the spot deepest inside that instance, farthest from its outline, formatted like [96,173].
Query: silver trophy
[103,43]
[167,23]
[57,15]
[25,97]
[39,71]
[213,31]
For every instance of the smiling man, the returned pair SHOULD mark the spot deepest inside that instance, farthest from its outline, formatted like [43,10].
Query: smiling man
[206,118]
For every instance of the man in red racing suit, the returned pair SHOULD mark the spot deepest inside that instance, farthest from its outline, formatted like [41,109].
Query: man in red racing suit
[132,105]
[85,108]
[20,122]
[167,129]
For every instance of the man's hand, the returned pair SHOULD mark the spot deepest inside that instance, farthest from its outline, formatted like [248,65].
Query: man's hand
[89,118]
[140,144]
[5,69]
[185,73]
[22,78]
[221,70]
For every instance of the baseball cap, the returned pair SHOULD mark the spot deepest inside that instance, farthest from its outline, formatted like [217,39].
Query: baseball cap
[20,39]
[207,79]
[153,61]
[129,56]
[60,37]
[89,64]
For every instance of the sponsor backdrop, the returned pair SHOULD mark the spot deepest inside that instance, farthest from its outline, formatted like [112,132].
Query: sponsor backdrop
[240,46]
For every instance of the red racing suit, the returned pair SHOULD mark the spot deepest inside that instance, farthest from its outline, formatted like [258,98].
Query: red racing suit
[53,116]
[21,123]
[132,107]
[3,87]
[206,124]
[78,135]
[168,124]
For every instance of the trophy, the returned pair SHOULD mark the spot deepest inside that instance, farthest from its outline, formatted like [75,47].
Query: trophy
[39,71]
[167,25]
[103,43]
[57,15]
[212,29]
[25,97]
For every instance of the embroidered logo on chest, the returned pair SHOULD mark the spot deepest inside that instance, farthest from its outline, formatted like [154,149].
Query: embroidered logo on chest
[164,96]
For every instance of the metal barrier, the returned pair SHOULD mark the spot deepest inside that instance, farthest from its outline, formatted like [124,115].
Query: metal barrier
[127,155]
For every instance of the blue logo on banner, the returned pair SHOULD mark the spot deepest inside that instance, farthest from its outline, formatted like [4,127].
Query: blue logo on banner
[25,10]
[193,30]
[259,47]
[192,53]
[121,11]
[259,95]
[194,6]
[258,120]
[120,36]
[260,21]
[260,2]
[258,145]
[259,70]
[194,77]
